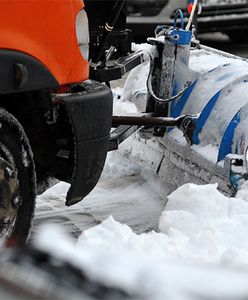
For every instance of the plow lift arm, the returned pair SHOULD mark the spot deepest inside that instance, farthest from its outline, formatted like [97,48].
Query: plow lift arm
[127,125]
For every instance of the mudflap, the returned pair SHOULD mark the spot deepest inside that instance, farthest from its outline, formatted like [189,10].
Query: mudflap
[90,111]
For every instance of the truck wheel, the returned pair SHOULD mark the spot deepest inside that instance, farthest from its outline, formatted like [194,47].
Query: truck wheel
[17,180]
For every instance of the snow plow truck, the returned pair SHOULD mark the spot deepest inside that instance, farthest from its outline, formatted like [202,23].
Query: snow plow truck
[57,59]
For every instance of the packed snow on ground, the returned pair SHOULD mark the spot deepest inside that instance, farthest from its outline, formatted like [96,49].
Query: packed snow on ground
[193,247]
[199,252]
[128,233]
[124,191]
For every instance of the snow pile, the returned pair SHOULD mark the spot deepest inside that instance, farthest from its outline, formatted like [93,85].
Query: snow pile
[213,228]
[201,251]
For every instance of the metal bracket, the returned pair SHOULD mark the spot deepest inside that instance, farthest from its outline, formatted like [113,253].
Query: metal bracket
[120,134]
[117,68]
[127,125]
[236,167]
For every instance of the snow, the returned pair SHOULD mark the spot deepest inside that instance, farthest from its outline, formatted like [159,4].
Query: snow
[177,135]
[124,192]
[224,110]
[200,252]
[240,141]
[199,248]
[209,151]
[203,60]
[25,159]
[129,233]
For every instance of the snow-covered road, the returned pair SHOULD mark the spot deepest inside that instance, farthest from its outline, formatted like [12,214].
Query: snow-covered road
[126,192]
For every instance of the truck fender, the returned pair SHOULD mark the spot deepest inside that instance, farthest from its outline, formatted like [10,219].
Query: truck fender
[20,72]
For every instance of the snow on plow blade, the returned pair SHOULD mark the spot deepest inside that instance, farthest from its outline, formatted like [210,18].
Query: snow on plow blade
[220,97]
[218,148]
[90,111]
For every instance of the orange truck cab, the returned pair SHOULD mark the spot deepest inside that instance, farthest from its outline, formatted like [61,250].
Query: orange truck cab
[54,121]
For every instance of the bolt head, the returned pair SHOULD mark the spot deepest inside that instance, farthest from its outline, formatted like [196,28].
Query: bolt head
[16,201]
[6,220]
[10,174]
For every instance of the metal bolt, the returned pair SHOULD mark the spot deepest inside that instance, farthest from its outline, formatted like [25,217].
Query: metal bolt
[176,37]
[16,201]
[10,174]
[6,220]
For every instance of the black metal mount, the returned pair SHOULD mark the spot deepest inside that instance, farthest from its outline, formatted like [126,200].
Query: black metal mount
[127,125]
[117,68]
[108,28]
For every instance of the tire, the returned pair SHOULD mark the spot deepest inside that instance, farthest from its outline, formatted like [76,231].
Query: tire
[16,154]
[238,36]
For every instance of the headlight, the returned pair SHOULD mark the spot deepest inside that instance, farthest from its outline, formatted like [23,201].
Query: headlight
[82,31]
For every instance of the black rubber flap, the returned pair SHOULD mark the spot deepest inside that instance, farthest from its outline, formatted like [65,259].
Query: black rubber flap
[91,116]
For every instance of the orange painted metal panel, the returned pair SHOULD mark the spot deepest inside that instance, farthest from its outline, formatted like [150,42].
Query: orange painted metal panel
[46,30]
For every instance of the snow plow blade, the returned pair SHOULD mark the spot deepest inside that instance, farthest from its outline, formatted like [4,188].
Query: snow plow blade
[216,151]
[90,111]
[177,164]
